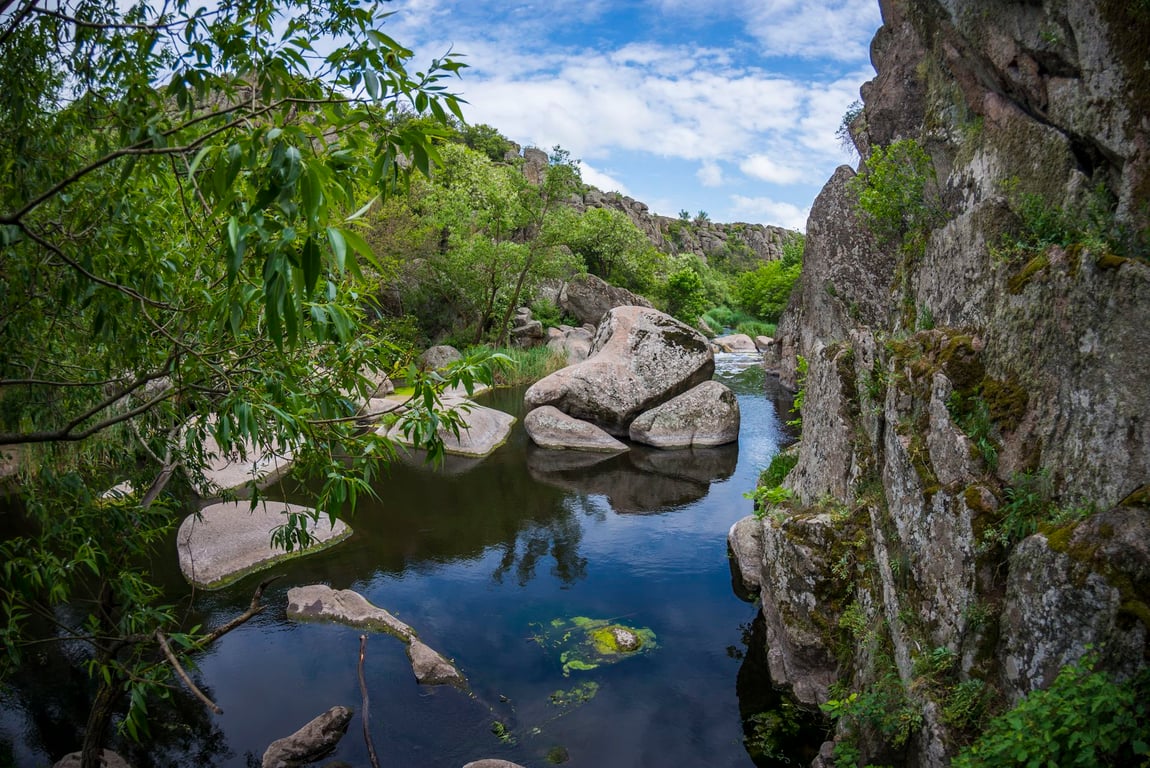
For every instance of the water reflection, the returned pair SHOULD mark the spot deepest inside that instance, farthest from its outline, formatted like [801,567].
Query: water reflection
[640,481]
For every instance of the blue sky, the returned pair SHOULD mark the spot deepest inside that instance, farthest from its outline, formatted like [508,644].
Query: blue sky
[729,107]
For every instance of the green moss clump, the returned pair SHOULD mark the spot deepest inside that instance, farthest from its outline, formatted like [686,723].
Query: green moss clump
[1007,401]
[1033,267]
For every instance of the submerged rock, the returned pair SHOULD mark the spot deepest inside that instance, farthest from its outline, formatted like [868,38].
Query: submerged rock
[346,606]
[583,643]
[309,743]
[224,542]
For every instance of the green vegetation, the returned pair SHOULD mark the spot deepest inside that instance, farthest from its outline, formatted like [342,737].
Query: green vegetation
[770,730]
[1086,718]
[769,490]
[1041,224]
[898,195]
[183,256]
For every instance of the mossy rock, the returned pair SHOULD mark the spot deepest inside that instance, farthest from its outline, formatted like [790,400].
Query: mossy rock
[583,643]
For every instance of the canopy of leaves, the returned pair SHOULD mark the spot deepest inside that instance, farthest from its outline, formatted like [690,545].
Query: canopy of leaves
[181,255]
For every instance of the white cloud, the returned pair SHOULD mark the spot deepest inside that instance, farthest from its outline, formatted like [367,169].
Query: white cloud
[832,29]
[768,211]
[602,180]
[710,175]
[764,168]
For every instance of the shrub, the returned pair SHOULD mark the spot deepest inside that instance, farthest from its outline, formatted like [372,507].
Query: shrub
[766,291]
[898,195]
[754,328]
[1084,719]
[685,295]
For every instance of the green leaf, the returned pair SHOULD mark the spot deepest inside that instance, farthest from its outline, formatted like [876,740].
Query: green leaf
[338,247]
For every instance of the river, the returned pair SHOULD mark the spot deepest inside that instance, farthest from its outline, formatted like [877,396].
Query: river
[480,557]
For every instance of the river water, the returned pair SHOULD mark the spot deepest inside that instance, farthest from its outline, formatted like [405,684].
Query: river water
[480,557]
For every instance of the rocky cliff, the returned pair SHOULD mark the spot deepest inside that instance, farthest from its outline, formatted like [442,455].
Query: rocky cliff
[970,511]
[703,238]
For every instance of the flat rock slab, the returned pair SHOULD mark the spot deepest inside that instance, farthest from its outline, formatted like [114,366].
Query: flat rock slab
[492,764]
[228,472]
[485,430]
[227,541]
[549,427]
[310,743]
[319,601]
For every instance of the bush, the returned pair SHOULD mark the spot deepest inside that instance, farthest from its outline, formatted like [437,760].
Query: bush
[766,291]
[1084,719]
[685,295]
[898,195]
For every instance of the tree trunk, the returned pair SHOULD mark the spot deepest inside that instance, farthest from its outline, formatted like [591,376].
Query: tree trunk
[99,718]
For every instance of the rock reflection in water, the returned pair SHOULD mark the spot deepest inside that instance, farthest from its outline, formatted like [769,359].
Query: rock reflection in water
[641,481]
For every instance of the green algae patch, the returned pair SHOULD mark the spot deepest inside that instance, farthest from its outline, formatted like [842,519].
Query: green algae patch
[583,644]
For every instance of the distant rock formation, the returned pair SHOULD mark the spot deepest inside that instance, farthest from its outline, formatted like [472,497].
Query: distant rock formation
[670,235]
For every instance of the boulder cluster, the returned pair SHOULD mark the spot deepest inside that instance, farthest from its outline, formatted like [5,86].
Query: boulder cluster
[646,377]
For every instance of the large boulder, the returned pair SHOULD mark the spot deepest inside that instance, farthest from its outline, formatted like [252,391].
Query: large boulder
[705,415]
[224,542]
[573,342]
[310,743]
[588,298]
[640,358]
[549,427]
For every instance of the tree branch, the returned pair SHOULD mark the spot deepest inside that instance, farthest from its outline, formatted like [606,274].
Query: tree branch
[184,675]
[253,610]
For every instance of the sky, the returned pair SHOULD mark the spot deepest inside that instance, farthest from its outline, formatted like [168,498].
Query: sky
[728,107]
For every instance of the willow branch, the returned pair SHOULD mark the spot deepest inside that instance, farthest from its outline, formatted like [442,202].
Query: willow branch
[184,675]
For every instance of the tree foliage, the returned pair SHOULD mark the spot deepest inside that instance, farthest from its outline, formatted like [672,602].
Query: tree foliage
[182,191]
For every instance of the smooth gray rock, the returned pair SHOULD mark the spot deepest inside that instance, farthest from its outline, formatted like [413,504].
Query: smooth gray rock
[588,298]
[310,743]
[736,342]
[109,760]
[227,541]
[745,540]
[438,357]
[484,430]
[529,334]
[489,763]
[229,471]
[549,427]
[706,415]
[640,357]
[763,343]
[573,342]
[319,601]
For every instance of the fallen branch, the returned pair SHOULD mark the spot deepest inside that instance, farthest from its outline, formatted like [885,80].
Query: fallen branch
[363,691]
[184,675]
[253,610]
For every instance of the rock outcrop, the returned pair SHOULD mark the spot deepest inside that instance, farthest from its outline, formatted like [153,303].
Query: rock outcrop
[587,298]
[975,374]
[224,542]
[640,357]
[311,742]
